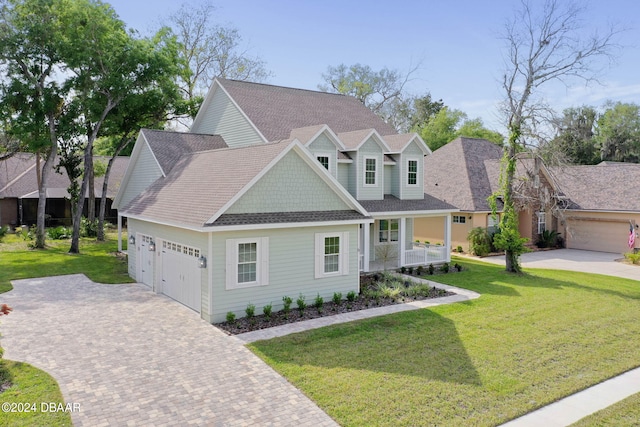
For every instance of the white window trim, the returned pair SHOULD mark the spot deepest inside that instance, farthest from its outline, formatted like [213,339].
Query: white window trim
[262,263]
[542,216]
[364,172]
[343,263]
[406,175]
[328,156]
[378,230]
[459,217]
[490,219]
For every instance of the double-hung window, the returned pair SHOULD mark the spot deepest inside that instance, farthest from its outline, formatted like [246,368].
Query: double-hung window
[412,172]
[370,171]
[388,231]
[247,262]
[542,226]
[332,254]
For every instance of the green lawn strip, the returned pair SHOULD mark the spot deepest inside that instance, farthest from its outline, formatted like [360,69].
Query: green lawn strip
[530,340]
[96,260]
[31,386]
[625,413]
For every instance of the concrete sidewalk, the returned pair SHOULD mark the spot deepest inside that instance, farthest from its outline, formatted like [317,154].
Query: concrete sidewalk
[584,403]
[575,260]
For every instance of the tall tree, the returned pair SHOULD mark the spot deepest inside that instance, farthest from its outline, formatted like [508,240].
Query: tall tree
[574,142]
[542,46]
[618,133]
[208,50]
[448,124]
[33,90]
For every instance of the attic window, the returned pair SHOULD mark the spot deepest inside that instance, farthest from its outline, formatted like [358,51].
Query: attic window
[324,161]
[370,171]
[412,172]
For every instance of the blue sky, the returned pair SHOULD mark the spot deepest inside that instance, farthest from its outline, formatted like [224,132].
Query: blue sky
[456,42]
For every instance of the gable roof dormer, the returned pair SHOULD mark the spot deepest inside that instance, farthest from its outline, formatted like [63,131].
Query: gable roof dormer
[355,139]
[309,134]
[399,142]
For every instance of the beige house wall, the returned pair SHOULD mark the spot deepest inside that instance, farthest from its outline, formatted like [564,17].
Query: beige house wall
[432,229]
[600,231]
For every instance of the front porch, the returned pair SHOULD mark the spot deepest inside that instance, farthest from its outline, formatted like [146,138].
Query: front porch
[389,243]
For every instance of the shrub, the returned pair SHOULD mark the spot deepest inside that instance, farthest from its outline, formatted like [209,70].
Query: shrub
[266,310]
[3,232]
[318,302]
[457,266]
[287,305]
[410,269]
[58,233]
[445,267]
[420,270]
[548,239]
[479,241]
[88,228]
[337,298]
[459,249]
[250,310]
[231,316]
[351,296]
[301,303]
[403,269]
[634,258]
[431,269]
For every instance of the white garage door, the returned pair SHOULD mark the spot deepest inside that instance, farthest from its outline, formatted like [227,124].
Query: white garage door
[598,235]
[181,276]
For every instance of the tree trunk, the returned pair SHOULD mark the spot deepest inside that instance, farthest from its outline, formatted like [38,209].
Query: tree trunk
[103,198]
[91,204]
[77,215]
[47,169]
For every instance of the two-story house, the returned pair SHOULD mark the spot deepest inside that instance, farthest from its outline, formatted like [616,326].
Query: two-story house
[274,191]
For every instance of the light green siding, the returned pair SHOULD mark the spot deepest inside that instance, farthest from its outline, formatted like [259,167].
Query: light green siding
[387,178]
[174,234]
[412,152]
[291,270]
[370,149]
[394,178]
[353,175]
[222,117]
[290,186]
[145,173]
[343,176]
[323,146]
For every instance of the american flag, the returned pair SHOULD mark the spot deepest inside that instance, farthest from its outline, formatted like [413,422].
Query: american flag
[632,236]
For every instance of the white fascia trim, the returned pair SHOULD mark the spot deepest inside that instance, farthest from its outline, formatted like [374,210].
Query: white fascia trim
[168,223]
[379,140]
[332,136]
[421,144]
[602,211]
[411,214]
[345,161]
[223,228]
[253,181]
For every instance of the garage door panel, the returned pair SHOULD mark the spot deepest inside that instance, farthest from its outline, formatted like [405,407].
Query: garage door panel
[603,236]
[181,275]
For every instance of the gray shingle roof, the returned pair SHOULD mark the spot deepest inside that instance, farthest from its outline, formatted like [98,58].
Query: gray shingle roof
[200,184]
[604,187]
[393,204]
[169,147]
[456,173]
[287,217]
[276,110]
[18,177]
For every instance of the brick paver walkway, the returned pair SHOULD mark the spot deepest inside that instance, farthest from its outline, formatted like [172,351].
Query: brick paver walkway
[130,357]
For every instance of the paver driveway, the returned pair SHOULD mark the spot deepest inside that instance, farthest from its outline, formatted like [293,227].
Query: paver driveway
[130,357]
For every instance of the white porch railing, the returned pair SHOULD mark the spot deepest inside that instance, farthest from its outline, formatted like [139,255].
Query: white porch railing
[425,254]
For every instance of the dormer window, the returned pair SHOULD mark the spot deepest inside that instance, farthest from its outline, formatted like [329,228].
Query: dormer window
[324,161]
[370,171]
[412,172]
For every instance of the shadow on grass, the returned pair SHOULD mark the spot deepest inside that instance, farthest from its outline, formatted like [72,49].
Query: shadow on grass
[418,343]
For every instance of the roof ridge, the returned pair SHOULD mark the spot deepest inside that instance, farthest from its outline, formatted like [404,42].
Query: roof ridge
[285,87]
[179,132]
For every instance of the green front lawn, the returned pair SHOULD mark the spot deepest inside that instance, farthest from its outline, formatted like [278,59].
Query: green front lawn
[623,414]
[38,390]
[528,341]
[96,260]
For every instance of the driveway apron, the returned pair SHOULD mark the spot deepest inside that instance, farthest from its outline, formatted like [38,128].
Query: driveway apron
[130,357]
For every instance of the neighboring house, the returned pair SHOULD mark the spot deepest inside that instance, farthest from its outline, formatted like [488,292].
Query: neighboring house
[19,191]
[275,191]
[589,206]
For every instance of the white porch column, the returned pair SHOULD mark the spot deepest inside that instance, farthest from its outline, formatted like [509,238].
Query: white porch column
[447,236]
[366,229]
[120,233]
[402,238]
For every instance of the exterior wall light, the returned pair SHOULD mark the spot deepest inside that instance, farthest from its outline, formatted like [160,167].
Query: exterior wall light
[132,239]
[202,262]
[152,246]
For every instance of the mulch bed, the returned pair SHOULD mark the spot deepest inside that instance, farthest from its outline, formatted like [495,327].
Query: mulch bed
[329,308]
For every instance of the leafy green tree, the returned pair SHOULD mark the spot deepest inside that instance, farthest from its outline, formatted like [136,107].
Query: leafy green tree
[618,133]
[34,92]
[542,46]
[474,128]
[575,141]
[448,125]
